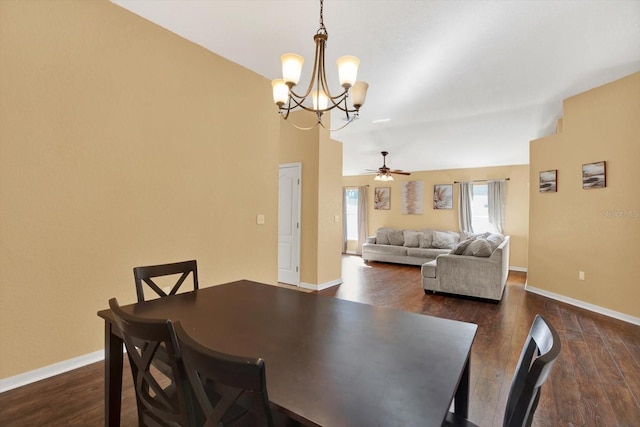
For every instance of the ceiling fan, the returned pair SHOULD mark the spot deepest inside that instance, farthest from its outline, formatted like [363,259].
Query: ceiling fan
[384,173]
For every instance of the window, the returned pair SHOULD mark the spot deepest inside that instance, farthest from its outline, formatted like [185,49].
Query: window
[351,202]
[480,209]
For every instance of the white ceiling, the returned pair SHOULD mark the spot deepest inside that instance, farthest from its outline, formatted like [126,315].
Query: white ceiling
[464,83]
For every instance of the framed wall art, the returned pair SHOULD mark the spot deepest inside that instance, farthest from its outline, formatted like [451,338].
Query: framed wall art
[594,175]
[381,198]
[443,196]
[412,198]
[548,181]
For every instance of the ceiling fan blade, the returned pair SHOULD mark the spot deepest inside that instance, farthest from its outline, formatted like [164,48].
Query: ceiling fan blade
[398,172]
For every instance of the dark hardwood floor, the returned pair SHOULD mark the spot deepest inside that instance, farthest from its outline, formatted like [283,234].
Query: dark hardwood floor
[596,381]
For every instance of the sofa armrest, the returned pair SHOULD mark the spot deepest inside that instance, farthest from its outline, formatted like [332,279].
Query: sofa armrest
[449,265]
[474,276]
[497,264]
[469,275]
[370,239]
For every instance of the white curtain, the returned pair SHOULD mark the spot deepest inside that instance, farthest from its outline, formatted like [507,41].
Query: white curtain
[344,220]
[497,196]
[465,196]
[363,224]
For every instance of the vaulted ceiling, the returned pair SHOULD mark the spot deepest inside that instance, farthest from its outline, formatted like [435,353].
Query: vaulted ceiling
[453,84]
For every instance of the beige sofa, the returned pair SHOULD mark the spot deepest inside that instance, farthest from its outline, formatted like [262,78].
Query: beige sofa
[478,276]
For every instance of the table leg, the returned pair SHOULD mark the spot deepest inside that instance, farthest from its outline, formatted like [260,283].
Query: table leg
[112,375]
[461,402]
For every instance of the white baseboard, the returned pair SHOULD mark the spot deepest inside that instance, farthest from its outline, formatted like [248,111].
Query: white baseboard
[321,286]
[514,268]
[10,383]
[585,305]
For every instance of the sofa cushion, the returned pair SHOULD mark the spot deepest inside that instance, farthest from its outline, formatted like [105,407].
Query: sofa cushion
[425,239]
[386,249]
[443,240]
[462,246]
[494,240]
[479,247]
[396,237]
[426,252]
[382,236]
[429,269]
[411,238]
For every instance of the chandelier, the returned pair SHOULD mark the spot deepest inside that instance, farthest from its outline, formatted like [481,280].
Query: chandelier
[322,99]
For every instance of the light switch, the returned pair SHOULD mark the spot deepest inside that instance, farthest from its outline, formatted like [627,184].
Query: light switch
[260,219]
[336,218]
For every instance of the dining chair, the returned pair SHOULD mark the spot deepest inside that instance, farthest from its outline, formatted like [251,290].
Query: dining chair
[148,273]
[239,381]
[161,401]
[539,353]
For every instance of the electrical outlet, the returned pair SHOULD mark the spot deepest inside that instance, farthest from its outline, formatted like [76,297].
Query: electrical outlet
[260,219]
[581,275]
[336,218]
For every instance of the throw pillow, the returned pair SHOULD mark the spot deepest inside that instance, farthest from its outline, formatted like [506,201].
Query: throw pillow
[411,238]
[479,247]
[460,247]
[494,240]
[468,235]
[425,240]
[443,240]
[382,236]
[396,237]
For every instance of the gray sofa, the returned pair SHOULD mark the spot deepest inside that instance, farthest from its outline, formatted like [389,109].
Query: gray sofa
[463,273]
[413,247]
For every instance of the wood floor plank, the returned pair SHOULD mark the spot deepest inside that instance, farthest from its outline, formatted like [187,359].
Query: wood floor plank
[568,403]
[595,380]
[596,407]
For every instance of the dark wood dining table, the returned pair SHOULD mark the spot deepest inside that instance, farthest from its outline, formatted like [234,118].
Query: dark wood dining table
[329,362]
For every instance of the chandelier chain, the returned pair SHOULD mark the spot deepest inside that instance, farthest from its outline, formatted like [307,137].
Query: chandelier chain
[322,29]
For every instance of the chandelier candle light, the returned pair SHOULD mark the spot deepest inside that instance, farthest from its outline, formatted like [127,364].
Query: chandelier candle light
[288,100]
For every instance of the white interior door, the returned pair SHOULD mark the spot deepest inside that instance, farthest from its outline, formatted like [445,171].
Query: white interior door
[289,224]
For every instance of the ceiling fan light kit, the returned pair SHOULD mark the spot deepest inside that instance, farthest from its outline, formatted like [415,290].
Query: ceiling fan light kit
[322,100]
[383,177]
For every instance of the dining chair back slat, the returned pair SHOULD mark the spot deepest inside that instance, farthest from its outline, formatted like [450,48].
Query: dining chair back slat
[146,274]
[163,397]
[239,381]
[538,356]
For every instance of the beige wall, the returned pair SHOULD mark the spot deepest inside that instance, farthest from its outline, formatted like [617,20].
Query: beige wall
[596,230]
[320,234]
[516,212]
[121,144]
[330,211]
